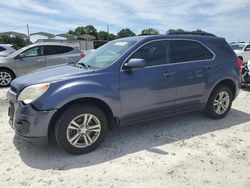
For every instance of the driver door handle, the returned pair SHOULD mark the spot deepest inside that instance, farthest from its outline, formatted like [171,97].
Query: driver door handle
[168,74]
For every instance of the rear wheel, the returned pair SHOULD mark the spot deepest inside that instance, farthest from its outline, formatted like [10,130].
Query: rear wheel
[81,129]
[219,102]
[6,76]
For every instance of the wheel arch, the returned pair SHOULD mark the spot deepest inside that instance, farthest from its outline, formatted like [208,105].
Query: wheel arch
[112,121]
[7,68]
[227,82]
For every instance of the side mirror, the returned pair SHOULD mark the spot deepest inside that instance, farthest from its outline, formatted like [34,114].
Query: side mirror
[20,56]
[134,64]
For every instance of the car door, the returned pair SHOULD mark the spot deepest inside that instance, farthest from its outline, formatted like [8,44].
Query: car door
[146,93]
[194,63]
[29,60]
[56,54]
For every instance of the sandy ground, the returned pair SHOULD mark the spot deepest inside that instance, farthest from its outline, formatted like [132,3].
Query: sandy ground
[185,151]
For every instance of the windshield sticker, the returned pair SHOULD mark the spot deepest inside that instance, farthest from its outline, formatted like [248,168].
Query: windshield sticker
[121,43]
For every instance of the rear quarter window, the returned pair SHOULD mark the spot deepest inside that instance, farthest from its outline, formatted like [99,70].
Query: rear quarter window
[184,51]
[223,46]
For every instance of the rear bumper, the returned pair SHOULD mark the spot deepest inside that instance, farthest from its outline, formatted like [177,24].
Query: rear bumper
[29,123]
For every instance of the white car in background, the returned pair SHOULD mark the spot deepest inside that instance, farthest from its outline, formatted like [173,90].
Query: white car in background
[6,49]
[242,50]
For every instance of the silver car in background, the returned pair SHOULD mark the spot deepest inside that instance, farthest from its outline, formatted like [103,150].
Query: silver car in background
[36,56]
[6,49]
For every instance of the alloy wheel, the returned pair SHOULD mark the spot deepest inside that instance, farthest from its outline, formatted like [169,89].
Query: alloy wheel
[221,102]
[5,78]
[83,130]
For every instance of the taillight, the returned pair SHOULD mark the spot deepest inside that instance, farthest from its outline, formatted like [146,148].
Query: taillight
[239,64]
[82,55]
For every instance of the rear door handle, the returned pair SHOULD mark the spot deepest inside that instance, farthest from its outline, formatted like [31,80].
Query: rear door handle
[40,60]
[168,74]
[209,67]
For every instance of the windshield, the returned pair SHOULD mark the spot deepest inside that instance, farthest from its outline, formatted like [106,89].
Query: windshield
[19,51]
[237,46]
[107,54]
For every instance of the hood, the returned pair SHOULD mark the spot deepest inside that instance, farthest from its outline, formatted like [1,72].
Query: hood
[4,59]
[49,75]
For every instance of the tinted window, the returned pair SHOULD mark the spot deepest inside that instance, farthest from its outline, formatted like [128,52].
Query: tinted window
[223,46]
[154,53]
[53,49]
[183,51]
[2,49]
[32,52]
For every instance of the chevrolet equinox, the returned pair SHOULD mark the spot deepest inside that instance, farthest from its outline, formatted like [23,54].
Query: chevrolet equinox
[126,81]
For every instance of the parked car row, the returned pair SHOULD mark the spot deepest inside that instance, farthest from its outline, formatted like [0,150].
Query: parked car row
[36,56]
[125,81]
[242,50]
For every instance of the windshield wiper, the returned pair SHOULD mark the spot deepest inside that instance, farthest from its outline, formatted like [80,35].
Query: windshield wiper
[81,64]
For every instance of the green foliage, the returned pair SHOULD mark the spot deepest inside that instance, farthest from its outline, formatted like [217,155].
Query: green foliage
[16,42]
[125,33]
[90,30]
[175,30]
[81,30]
[150,31]
[103,35]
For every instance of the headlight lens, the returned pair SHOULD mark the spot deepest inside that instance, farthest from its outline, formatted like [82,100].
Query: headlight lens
[33,92]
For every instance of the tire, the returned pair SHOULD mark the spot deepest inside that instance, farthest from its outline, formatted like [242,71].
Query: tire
[216,108]
[6,77]
[71,123]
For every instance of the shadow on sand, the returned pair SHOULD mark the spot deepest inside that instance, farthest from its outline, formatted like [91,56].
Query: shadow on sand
[127,140]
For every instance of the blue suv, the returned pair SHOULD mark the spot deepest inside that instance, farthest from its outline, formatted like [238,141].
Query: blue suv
[126,81]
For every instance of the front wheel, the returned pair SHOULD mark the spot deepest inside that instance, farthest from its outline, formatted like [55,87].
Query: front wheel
[219,102]
[81,129]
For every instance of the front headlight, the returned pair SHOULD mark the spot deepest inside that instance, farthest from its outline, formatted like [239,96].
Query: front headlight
[33,92]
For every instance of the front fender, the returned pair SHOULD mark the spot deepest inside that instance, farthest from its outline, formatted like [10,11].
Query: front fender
[58,96]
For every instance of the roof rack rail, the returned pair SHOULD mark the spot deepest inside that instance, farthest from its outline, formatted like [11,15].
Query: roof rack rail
[190,33]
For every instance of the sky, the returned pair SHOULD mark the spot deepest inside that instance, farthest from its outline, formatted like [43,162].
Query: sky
[226,18]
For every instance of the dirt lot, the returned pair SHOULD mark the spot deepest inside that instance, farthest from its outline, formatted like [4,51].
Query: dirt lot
[185,151]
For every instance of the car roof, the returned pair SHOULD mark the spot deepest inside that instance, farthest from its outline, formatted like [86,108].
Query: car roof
[177,36]
[9,45]
[51,43]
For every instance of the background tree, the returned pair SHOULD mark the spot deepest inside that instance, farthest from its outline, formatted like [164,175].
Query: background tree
[103,35]
[175,30]
[15,41]
[125,33]
[91,30]
[150,31]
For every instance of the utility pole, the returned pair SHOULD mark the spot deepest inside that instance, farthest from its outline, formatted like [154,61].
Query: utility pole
[108,31]
[28,32]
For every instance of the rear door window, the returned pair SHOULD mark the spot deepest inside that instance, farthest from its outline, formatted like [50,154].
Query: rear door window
[185,51]
[54,49]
